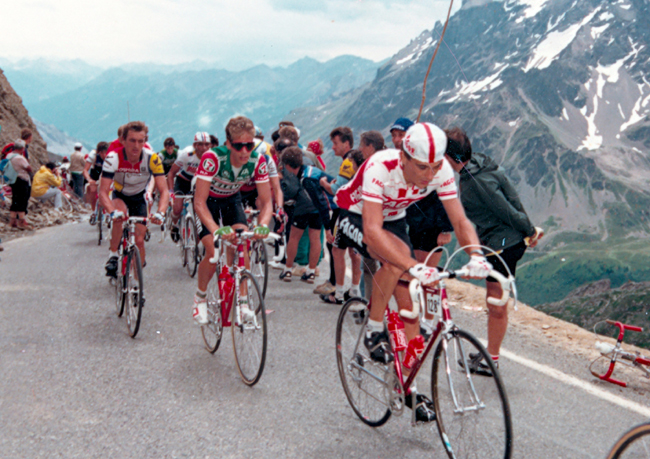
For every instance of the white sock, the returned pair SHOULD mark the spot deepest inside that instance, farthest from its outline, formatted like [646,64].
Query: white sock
[201,293]
[374,326]
[340,292]
[309,271]
[112,254]
[355,290]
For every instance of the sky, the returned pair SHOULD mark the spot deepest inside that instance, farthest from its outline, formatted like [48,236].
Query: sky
[233,34]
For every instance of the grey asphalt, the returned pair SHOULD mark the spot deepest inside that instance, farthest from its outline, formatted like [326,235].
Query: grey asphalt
[74,384]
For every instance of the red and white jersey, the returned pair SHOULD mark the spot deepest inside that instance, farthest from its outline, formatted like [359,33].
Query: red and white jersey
[381,179]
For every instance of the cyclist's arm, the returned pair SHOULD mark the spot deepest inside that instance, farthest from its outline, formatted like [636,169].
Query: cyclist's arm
[104,194]
[171,174]
[277,191]
[463,228]
[266,203]
[161,186]
[86,172]
[201,194]
[378,239]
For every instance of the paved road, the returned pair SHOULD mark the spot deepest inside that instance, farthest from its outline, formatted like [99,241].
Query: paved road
[73,384]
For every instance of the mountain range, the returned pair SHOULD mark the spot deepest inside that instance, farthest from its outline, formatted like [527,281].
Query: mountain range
[556,91]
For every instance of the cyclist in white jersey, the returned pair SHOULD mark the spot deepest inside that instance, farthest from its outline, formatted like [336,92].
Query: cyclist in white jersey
[186,165]
[129,170]
[376,200]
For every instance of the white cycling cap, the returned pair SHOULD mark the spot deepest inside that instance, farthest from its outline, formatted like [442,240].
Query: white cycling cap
[425,142]
[78,146]
[201,137]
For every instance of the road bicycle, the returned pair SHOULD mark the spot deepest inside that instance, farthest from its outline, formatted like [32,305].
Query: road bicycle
[257,255]
[129,288]
[191,252]
[615,353]
[235,300]
[634,444]
[472,411]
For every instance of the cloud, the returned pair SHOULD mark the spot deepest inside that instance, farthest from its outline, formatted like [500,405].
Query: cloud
[272,32]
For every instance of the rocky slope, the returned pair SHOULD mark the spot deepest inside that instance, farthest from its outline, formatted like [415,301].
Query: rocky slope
[14,118]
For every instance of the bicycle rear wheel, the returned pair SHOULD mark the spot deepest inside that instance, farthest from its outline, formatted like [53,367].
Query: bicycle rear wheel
[134,292]
[634,444]
[213,331]
[249,337]
[363,379]
[99,220]
[191,248]
[472,411]
[259,264]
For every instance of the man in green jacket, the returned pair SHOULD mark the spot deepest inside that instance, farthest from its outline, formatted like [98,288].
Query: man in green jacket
[492,204]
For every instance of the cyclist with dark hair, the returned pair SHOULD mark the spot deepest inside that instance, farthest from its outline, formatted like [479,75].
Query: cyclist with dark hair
[168,154]
[92,173]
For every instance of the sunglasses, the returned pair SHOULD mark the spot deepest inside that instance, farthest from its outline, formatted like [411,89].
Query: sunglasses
[239,146]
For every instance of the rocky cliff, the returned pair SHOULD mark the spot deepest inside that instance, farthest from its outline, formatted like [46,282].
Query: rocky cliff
[14,118]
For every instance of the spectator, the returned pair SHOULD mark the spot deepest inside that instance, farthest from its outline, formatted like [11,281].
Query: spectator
[21,188]
[492,204]
[26,135]
[46,184]
[77,165]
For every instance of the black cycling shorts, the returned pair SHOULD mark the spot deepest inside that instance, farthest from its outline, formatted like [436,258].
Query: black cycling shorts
[95,174]
[426,239]
[225,212]
[182,186]
[510,256]
[248,198]
[311,220]
[349,232]
[136,204]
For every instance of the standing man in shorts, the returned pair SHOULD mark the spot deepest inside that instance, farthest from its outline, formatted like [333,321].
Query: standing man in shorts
[492,204]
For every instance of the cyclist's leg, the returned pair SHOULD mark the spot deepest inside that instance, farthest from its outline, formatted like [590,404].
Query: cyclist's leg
[206,269]
[314,247]
[292,245]
[116,229]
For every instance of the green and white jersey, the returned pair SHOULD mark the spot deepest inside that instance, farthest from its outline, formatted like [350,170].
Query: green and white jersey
[225,181]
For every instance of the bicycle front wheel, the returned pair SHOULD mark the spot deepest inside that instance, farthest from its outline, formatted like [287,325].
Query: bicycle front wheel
[634,444]
[213,330]
[249,335]
[99,220]
[363,379]
[472,411]
[120,285]
[191,248]
[259,264]
[134,292]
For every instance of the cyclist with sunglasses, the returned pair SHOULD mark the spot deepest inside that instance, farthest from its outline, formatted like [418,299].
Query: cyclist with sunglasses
[217,200]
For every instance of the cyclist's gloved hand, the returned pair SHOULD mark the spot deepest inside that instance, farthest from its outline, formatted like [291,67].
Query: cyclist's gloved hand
[157,218]
[281,219]
[478,267]
[116,215]
[223,231]
[261,230]
[172,196]
[425,274]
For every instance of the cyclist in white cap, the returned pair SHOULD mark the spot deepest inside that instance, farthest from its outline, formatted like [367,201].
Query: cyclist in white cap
[373,221]
[185,166]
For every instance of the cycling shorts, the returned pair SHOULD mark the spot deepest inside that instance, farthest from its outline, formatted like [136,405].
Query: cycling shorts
[226,211]
[313,221]
[248,198]
[510,256]
[182,186]
[95,174]
[136,204]
[348,232]
[425,240]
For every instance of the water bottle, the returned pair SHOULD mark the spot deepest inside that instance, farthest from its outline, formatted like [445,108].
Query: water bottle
[414,351]
[396,331]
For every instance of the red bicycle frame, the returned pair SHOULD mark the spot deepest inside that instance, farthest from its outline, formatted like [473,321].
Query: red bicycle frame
[638,360]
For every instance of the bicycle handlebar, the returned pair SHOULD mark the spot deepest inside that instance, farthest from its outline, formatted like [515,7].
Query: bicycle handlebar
[417,295]
[623,326]
[243,235]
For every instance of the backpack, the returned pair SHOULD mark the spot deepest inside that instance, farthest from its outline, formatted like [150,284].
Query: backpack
[7,171]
